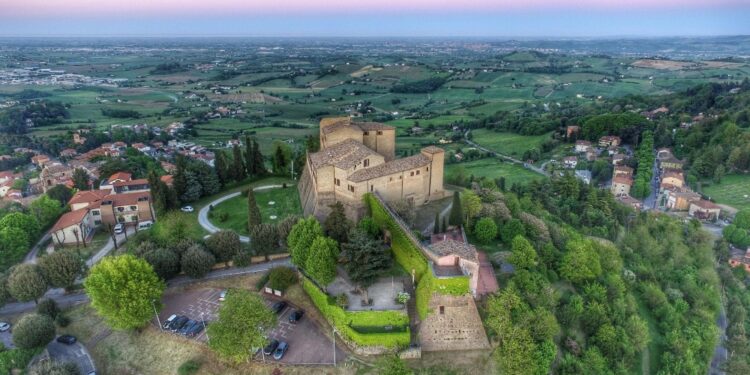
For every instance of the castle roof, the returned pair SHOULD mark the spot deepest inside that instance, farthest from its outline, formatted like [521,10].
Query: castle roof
[432,149]
[344,155]
[391,167]
[360,126]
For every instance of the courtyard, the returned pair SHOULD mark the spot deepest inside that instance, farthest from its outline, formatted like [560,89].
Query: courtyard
[383,293]
[274,204]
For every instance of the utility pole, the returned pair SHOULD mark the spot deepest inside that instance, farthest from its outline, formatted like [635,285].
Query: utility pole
[334,346]
[204,328]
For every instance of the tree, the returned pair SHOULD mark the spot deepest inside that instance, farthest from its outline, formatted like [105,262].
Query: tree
[48,307]
[523,254]
[33,331]
[280,162]
[22,221]
[124,290]
[49,367]
[46,210]
[638,332]
[301,238]
[197,262]
[238,164]
[265,239]
[14,244]
[60,193]
[336,225]
[80,179]
[222,169]
[26,282]
[249,162]
[405,210]
[580,262]
[436,224]
[258,163]
[281,278]
[516,353]
[485,230]
[365,259]
[193,190]
[284,227]
[224,245]
[392,365]
[456,216]
[511,230]
[471,205]
[243,324]
[166,263]
[253,212]
[321,264]
[61,268]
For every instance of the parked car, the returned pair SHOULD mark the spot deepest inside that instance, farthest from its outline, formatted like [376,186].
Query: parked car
[223,295]
[280,351]
[178,323]
[272,345]
[4,326]
[119,228]
[278,306]
[296,316]
[187,327]
[195,329]
[145,224]
[187,209]
[169,321]
[67,339]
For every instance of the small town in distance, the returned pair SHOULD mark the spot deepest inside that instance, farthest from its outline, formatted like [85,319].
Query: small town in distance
[374,195]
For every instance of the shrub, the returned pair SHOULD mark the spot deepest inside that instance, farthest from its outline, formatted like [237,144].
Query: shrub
[242,259]
[33,331]
[189,367]
[197,262]
[16,359]
[223,216]
[281,278]
[48,307]
[263,281]
[165,262]
[342,300]
[62,321]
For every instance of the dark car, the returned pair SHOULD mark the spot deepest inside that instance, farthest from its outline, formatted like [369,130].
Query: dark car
[67,339]
[280,351]
[272,345]
[187,327]
[169,321]
[278,306]
[178,323]
[296,316]
[195,329]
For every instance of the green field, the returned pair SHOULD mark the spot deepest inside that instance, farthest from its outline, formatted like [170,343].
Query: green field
[285,203]
[734,190]
[493,168]
[508,143]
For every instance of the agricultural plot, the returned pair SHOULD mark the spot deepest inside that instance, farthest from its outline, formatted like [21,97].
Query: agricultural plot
[491,168]
[734,190]
[508,143]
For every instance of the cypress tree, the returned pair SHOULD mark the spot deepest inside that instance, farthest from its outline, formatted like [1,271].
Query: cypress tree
[238,165]
[436,226]
[253,213]
[249,163]
[222,170]
[457,214]
[258,163]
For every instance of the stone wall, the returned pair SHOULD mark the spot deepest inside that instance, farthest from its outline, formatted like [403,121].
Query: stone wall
[453,324]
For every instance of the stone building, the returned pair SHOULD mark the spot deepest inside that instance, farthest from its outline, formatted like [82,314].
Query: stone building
[359,157]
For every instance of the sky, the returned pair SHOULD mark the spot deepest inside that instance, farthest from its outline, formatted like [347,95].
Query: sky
[387,18]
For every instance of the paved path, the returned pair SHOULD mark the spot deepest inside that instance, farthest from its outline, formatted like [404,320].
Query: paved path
[32,255]
[203,213]
[506,157]
[109,246]
[67,300]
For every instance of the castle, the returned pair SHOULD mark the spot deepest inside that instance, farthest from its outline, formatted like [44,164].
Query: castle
[359,157]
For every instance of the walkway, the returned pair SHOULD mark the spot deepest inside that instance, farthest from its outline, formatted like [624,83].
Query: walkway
[203,213]
[67,300]
[506,157]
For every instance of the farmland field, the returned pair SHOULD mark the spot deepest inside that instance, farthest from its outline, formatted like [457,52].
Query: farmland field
[734,190]
[507,143]
[493,168]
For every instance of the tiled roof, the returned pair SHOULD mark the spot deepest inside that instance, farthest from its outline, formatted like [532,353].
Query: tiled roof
[360,126]
[706,205]
[70,218]
[391,167]
[338,126]
[451,247]
[370,126]
[140,181]
[88,196]
[343,155]
[432,149]
[120,176]
[127,199]
[623,180]
[624,169]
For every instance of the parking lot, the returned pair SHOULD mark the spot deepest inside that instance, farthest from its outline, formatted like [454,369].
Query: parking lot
[307,343]
[75,353]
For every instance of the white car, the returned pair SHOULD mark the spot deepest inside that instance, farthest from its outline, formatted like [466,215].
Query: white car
[119,228]
[4,326]
[145,224]
[187,209]
[223,295]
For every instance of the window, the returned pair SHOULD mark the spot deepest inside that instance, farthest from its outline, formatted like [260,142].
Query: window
[351,188]
[380,132]
[133,208]
[367,163]
[442,310]
[411,173]
[371,187]
[337,182]
[390,179]
[427,169]
[95,213]
[417,172]
[367,133]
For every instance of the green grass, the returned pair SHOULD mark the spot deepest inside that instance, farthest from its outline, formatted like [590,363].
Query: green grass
[508,143]
[286,203]
[492,168]
[734,190]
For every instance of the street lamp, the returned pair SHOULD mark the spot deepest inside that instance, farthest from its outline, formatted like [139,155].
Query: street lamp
[153,303]
[334,346]
[205,329]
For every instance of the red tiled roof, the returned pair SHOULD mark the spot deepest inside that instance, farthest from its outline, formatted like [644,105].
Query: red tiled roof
[88,196]
[486,281]
[623,180]
[120,176]
[140,181]
[167,179]
[706,205]
[70,218]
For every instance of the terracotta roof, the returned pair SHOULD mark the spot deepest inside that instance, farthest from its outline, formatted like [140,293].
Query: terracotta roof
[88,196]
[70,218]
[671,159]
[140,181]
[628,199]
[451,247]
[623,180]
[167,179]
[391,167]
[583,143]
[370,126]
[360,126]
[344,155]
[127,199]
[432,149]
[706,205]
[338,126]
[120,176]
[673,174]
[624,169]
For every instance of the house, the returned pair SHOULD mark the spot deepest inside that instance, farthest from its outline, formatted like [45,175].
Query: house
[120,187]
[359,157]
[681,200]
[621,185]
[115,177]
[609,140]
[56,174]
[68,153]
[740,258]
[663,153]
[570,162]
[671,179]
[168,167]
[142,148]
[572,130]
[584,176]
[618,159]
[622,170]
[670,162]
[40,160]
[74,227]
[6,176]
[5,186]
[582,146]
[78,139]
[654,113]
[168,179]
[630,201]
[591,155]
[109,208]
[704,210]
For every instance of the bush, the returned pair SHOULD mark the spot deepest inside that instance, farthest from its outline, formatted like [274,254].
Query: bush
[54,368]
[48,307]
[189,367]
[33,331]
[242,259]
[281,278]
[223,216]
[16,359]
[197,262]
[263,281]
[62,321]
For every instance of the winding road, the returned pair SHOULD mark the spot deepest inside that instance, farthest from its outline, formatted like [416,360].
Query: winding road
[203,213]
[506,157]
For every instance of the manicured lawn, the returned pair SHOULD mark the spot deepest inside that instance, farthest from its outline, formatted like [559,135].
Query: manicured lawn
[734,190]
[508,143]
[493,168]
[274,205]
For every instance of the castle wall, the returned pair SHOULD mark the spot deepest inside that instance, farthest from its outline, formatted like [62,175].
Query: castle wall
[453,324]
[382,141]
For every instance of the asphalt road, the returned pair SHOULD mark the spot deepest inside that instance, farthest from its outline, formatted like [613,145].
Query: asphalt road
[203,213]
[67,300]
[75,353]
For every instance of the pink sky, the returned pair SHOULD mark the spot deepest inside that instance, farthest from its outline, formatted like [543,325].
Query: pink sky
[163,8]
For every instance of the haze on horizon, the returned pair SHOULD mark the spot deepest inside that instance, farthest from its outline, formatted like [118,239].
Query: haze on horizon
[387,18]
